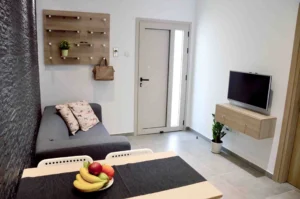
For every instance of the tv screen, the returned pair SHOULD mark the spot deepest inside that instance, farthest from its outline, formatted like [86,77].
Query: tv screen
[252,89]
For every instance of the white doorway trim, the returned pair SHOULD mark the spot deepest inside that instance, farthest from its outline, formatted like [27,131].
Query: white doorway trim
[136,80]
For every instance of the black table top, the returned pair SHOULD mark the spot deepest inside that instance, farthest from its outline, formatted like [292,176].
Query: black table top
[130,180]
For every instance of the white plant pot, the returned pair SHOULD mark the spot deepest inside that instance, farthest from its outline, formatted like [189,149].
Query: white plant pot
[216,147]
[64,53]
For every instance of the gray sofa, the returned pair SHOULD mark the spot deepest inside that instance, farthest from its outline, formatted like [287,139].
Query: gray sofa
[54,139]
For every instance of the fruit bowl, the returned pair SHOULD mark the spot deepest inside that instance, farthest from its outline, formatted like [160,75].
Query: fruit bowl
[94,177]
[109,184]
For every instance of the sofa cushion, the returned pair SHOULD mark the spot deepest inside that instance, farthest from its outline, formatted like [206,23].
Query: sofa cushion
[97,130]
[52,126]
[84,114]
[97,110]
[96,147]
[68,117]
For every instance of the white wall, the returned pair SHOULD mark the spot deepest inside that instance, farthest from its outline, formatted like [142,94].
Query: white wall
[242,35]
[60,84]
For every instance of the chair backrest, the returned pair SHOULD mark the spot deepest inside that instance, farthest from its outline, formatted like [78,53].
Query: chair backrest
[128,153]
[64,160]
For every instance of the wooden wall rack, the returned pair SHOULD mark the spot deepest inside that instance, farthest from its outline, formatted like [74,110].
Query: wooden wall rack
[87,33]
[253,124]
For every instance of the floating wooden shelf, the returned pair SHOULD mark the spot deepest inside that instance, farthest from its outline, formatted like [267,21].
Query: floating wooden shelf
[57,30]
[70,60]
[78,58]
[103,19]
[83,44]
[99,32]
[253,124]
[62,16]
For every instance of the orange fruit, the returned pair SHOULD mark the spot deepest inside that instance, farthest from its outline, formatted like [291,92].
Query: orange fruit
[108,170]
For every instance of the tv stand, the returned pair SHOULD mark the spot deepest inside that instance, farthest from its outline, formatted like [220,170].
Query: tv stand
[251,123]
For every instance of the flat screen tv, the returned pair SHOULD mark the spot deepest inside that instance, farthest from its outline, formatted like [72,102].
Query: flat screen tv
[250,89]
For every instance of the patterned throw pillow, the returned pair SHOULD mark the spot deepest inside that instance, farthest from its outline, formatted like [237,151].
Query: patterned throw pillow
[84,114]
[68,117]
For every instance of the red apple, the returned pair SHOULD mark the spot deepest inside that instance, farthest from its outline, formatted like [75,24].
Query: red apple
[95,168]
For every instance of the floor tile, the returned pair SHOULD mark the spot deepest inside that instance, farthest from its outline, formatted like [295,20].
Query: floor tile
[288,195]
[233,177]
[229,191]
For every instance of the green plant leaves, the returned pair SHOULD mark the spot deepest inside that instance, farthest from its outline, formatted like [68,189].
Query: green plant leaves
[64,45]
[217,130]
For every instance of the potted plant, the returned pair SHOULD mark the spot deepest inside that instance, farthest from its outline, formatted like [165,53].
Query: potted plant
[64,47]
[218,134]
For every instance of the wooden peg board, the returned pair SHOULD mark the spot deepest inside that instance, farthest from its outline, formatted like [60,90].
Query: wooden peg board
[87,33]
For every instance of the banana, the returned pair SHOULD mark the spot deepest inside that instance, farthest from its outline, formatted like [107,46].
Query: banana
[86,164]
[89,177]
[88,187]
[81,180]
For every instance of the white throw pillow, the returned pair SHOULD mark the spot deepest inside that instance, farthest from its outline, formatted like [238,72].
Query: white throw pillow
[84,114]
[68,117]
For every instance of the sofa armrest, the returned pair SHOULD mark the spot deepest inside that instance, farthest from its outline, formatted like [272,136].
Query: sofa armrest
[97,147]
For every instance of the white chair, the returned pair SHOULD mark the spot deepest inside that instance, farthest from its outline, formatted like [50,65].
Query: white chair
[128,153]
[64,161]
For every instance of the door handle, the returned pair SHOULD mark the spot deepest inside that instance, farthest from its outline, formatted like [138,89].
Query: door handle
[144,80]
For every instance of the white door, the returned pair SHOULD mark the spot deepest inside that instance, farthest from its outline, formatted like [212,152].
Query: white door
[162,68]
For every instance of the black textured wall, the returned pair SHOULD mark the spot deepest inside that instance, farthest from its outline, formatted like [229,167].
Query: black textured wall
[19,91]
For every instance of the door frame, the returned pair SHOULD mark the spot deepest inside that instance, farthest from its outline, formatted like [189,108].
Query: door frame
[136,79]
[291,114]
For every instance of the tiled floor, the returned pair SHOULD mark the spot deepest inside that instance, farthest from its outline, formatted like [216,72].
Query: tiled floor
[233,178]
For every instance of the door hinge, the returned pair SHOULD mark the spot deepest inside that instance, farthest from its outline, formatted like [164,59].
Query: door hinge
[186,77]
[183,122]
[189,34]
[187,50]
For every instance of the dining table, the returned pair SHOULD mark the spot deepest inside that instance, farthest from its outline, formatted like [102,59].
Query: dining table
[148,176]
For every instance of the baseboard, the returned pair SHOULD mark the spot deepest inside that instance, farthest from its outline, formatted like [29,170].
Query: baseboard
[198,134]
[227,151]
[123,134]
